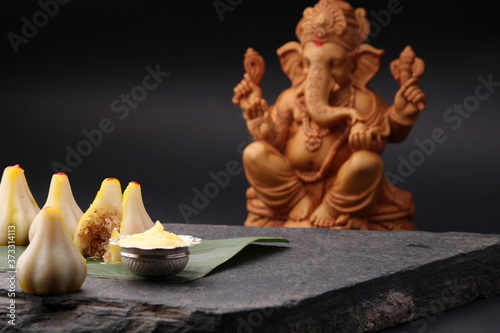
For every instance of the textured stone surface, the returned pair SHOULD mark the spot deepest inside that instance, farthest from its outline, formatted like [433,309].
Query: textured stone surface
[322,281]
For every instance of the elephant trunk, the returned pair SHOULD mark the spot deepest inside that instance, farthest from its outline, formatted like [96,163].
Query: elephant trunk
[318,87]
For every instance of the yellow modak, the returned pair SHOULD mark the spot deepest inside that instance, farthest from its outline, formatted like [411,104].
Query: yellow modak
[18,208]
[135,218]
[61,196]
[104,215]
[51,264]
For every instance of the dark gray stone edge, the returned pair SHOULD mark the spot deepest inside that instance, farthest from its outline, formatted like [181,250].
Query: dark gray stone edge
[416,295]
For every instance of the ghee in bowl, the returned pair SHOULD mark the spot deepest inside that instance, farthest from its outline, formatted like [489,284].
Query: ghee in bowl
[155,237]
[155,252]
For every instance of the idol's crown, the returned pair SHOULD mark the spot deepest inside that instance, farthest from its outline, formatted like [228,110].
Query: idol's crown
[334,21]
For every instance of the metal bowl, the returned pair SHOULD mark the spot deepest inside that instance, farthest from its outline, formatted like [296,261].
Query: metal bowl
[156,262]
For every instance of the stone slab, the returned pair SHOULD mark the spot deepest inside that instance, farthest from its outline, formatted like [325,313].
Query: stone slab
[322,281]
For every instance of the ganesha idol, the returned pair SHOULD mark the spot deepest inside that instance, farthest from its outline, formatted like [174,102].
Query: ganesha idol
[315,160]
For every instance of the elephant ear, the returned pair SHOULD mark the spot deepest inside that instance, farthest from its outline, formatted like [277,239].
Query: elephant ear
[290,56]
[367,64]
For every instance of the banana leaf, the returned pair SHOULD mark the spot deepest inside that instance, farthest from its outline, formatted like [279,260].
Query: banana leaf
[203,258]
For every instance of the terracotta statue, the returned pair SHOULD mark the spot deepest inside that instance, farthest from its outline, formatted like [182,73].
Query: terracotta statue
[315,160]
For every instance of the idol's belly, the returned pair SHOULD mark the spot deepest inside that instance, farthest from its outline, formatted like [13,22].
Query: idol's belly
[304,159]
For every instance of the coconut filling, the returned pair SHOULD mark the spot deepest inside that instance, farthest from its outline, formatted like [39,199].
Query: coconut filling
[94,236]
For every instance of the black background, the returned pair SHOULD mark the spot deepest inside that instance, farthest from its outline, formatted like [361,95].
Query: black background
[64,79]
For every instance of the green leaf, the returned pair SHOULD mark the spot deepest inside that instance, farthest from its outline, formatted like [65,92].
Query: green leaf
[203,259]
[209,254]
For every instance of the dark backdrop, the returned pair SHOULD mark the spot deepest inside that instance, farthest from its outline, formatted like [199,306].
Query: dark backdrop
[65,81]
